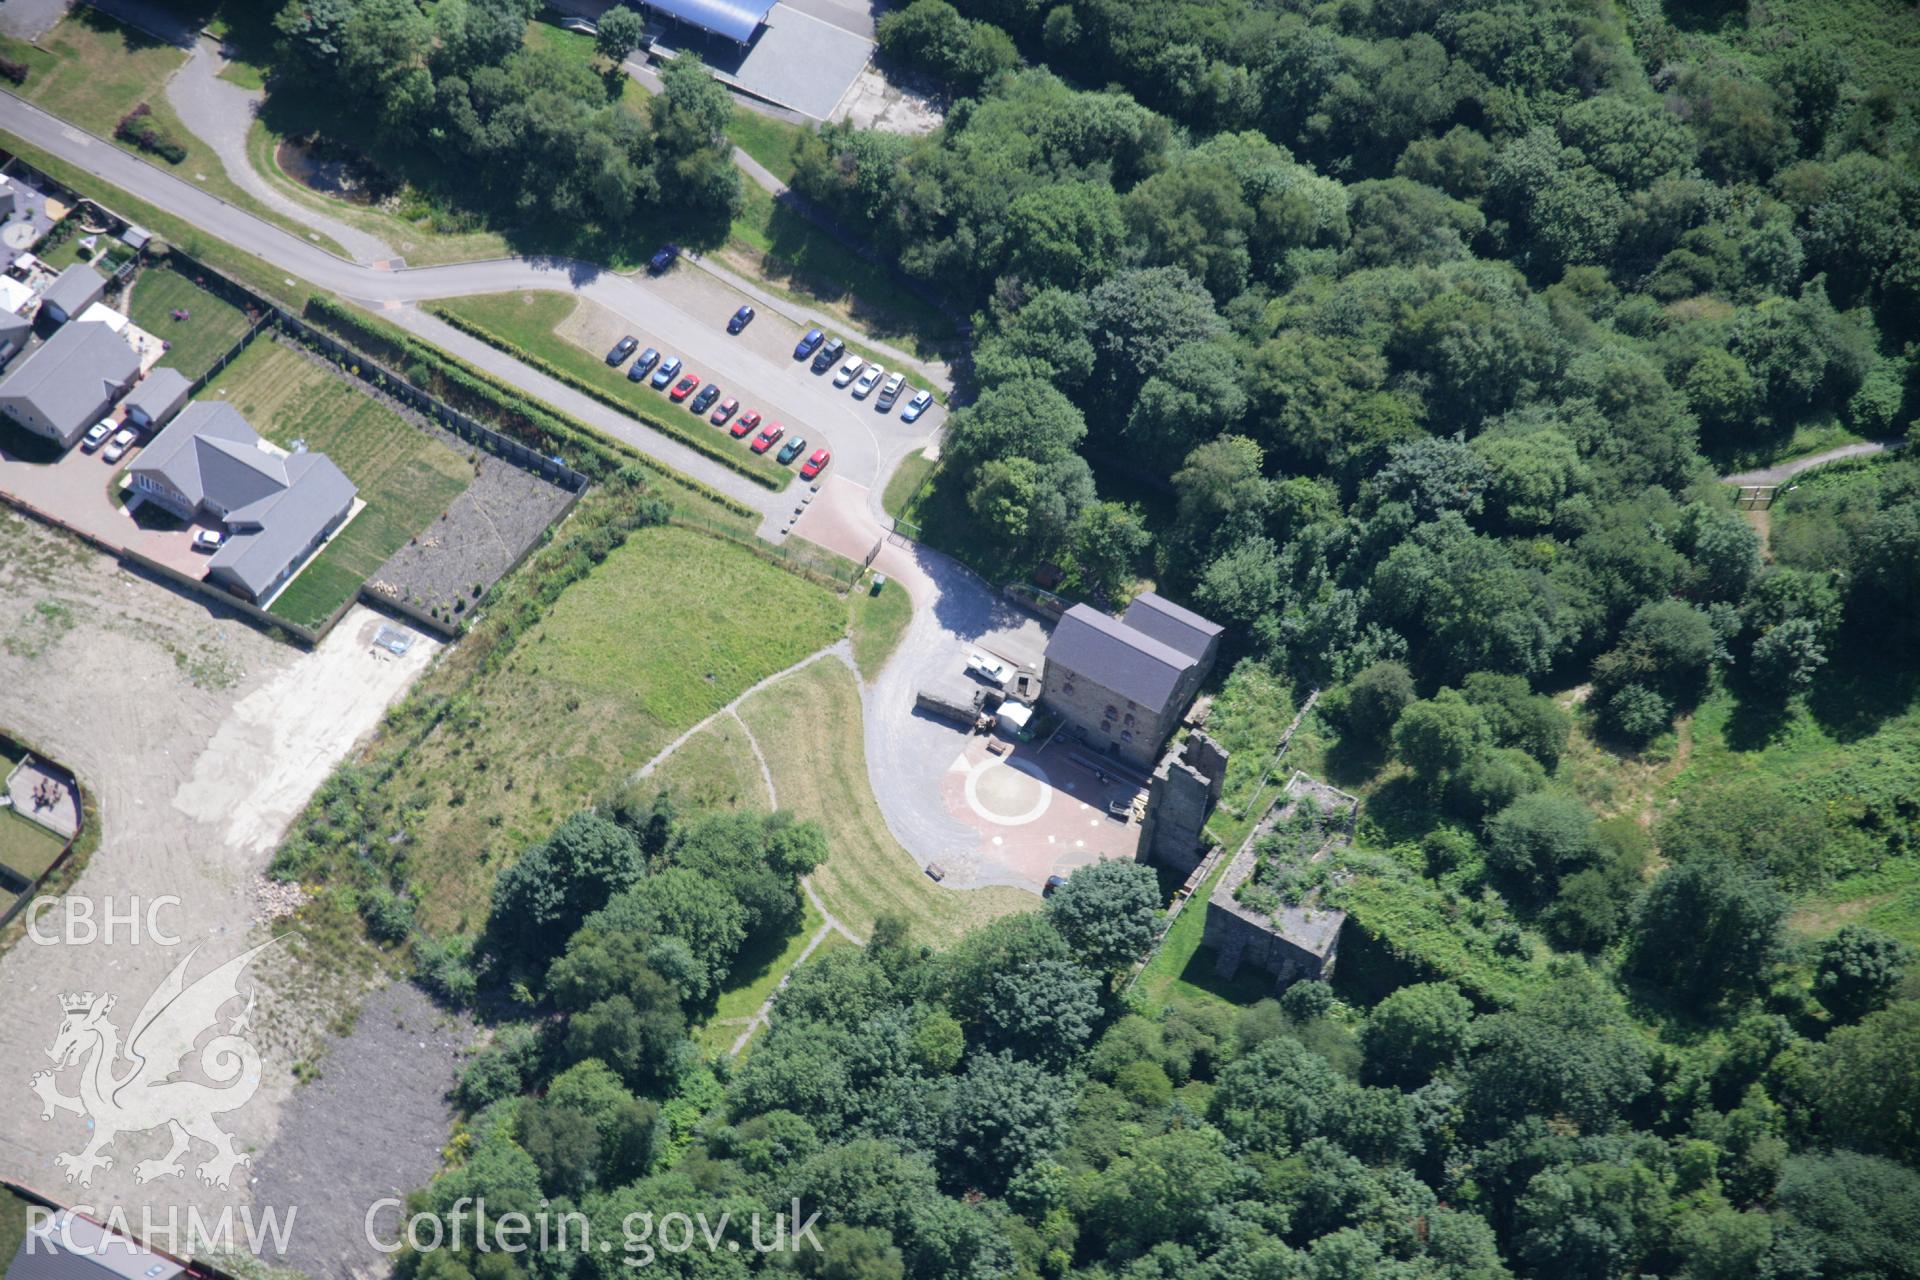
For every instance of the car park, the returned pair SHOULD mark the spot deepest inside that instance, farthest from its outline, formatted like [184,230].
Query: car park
[622,349]
[791,450]
[117,447]
[684,388]
[660,261]
[808,344]
[768,438]
[704,401]
[741,319]
[890,391]
[919,404]
[823,358]
[849,371]
[208,540]
[745,423]
[669,370]
[869,379]
[816,464]
[643,365]
[724,410]
[96,435]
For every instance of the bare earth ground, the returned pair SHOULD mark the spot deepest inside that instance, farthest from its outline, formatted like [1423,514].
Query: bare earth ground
[199,738]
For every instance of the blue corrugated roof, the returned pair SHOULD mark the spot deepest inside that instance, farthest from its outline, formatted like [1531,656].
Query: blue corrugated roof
[737,20]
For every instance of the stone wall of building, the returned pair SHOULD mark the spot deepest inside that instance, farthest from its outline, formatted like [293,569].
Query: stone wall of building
[1085,709]
[1181,796]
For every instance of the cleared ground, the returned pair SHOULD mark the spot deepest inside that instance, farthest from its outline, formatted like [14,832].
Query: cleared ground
[808,725]
[210,328]
[407,478]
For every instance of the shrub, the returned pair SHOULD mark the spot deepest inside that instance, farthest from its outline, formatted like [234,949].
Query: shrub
[14,71]
[389,915]
[137,127]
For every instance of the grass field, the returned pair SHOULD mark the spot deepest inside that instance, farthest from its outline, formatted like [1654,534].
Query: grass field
[714,769]
[212,327]
[26,847]
[529,322]
[406,477]
[809,725]
[666,631]
[767,140]
[905,482]
[879,620]
[92,70]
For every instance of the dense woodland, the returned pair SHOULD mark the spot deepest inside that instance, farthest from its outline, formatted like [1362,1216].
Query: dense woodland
[1408,340]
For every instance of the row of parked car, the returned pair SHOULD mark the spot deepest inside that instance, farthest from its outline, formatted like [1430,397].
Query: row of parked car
[117,442]
[662,372]
[864,377]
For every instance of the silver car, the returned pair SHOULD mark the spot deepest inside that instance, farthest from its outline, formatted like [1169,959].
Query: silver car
[919,404]
[890,392]
[863,387]
[849,371]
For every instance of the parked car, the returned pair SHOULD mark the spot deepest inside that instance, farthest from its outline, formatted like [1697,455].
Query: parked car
[704,401]
[643,365]
[209,540]
[849,371]
[745,423]
[669,370]
[816,464]
[791,449]
[919,404]
[622,349]
[117,447]
[662,260]
[985,666]
[741,319]
[1053,882]
[768,438]
[727,409]
[869,379]
[684,388]
[823,358]
[809,344]
[890,391]
[96,435]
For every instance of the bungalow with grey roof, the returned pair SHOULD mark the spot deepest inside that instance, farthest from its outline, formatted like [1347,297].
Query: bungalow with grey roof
[158,397]
[70,382]
[78,288]
[1122,684]
[277,508]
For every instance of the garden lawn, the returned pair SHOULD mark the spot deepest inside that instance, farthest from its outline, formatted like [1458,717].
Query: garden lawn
[769,141]
[666,631]
[406,477]
[211,328]
[26,847]
[879,620]
[92,70]
[809,726]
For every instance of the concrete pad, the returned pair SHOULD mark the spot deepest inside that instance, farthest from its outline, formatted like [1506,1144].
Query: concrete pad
[798,61]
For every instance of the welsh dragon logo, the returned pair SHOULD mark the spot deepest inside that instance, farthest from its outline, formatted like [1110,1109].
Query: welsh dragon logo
[133,1089]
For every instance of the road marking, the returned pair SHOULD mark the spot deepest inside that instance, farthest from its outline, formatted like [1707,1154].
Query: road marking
[72,134]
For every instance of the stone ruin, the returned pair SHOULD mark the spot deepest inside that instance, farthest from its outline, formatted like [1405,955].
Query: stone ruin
[1180,796]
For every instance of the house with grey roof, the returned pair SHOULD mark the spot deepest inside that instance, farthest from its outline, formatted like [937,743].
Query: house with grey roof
[14,332]
[68,1245]
[69,382]
[159,395]
[1122,684]
[276,507]
[78,288]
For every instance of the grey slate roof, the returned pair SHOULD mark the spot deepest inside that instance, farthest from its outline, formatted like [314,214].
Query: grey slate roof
[97,1254]
[72,373]
[1116,656]
[160,392]
[15,328]
[1167,622]
[78,287]
[209,453]
[285,524]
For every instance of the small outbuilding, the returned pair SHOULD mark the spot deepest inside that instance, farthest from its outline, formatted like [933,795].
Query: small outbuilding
[159,395]
[78,288]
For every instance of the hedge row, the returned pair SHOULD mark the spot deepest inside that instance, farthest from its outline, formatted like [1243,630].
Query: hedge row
[504,406]
[137,127]
[745,463]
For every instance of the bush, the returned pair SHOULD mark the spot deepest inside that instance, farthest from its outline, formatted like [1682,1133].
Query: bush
[14,71]
[446,969]
[389,915]
[137,127]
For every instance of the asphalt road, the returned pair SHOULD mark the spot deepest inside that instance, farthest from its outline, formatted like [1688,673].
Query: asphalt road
[865,444]
[1788,470]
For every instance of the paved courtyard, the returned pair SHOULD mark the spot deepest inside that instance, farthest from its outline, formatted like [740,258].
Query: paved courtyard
[78,490]
[1039,811]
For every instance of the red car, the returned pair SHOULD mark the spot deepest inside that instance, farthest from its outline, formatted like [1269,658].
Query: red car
[745,422]
[684,388]
[724,410]
[815,464]
[768,438]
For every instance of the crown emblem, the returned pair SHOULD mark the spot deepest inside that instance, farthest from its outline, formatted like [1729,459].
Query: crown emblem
[76,1002]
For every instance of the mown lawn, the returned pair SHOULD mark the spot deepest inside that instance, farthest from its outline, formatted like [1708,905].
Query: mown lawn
[26,847]
[879,620]
[662,634]
[92,70]
[714,769]
[809,725]
[767,140]
[211,328]
[406,477]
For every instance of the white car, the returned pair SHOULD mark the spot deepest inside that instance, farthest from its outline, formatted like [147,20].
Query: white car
[849,371]
[890,392]
[209,539]
[989,668]
[96,435]
[864,385]
[921,402]
[117,448]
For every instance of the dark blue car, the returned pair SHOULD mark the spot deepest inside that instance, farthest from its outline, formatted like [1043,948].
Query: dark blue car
[741,319]
[809,344]
[662,260]
[643,365]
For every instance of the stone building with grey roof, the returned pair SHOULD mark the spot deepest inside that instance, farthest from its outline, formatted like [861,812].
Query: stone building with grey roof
[276,507]
[1122,684]
[69,382]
